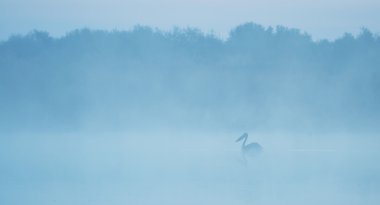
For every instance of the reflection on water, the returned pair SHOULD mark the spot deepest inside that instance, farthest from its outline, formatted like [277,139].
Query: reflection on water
[193,169]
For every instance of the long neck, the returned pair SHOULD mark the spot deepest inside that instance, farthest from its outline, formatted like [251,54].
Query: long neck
[245,140]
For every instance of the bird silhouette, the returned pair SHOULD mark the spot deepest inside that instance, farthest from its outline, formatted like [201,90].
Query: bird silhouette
[251,150]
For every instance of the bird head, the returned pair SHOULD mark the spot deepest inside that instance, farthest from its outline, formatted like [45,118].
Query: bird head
[241,137]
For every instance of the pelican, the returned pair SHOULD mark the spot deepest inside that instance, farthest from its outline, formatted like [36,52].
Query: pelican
[250,150]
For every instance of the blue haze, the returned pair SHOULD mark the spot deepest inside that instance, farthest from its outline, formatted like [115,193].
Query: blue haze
[150,117]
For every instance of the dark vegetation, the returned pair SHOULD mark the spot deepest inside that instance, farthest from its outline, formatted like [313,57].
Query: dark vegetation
[258,77]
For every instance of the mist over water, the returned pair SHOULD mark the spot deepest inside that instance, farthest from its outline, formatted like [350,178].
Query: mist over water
[148,117]
[174,168]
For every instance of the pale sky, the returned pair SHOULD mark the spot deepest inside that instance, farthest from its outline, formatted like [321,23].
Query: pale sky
[320,18]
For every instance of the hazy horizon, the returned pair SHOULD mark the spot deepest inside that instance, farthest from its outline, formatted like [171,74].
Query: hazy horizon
[321,19]
[223,36]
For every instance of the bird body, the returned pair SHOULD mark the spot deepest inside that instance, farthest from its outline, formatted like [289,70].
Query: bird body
[250,150]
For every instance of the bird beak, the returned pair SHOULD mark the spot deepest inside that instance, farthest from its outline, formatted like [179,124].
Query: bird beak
[241,137]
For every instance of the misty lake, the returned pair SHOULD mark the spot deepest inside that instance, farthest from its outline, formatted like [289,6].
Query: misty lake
[181,168]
